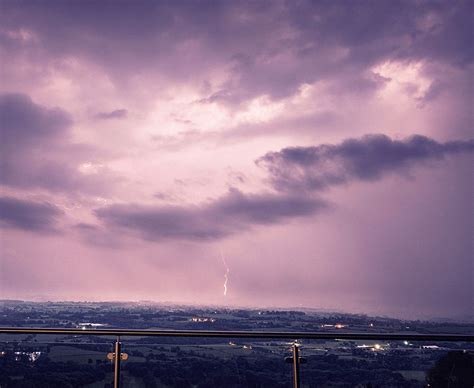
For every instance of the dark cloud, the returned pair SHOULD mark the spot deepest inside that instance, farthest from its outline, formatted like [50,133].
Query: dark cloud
[368,158]
[36,149]
[28,215]
[24,122]
[31,134]
[269,48]
[341,42]
[115,114]
[229,214]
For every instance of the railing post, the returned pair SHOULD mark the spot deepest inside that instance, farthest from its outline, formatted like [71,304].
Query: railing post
[117,359]
[296,367]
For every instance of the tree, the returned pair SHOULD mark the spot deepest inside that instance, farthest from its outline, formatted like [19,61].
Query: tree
[455,370]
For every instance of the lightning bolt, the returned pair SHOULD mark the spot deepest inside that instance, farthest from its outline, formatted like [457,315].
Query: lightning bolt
[226,275]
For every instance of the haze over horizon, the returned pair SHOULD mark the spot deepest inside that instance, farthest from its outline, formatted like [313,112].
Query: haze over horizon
[314,154]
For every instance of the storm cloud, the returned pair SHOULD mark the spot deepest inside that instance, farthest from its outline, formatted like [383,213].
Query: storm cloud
[28,215]
[38,150]
[216,219]
[24,122]
[368,158]
[267,47]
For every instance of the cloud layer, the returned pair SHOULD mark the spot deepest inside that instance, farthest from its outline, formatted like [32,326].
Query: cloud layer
[24,122]
[38,150]
[368,159]
[216,219]
[28,215]
[267,48]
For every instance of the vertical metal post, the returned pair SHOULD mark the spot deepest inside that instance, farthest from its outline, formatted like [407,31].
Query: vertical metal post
[117,357]
[296,367]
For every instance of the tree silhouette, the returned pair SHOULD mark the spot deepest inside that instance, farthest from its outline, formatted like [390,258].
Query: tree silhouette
[454,370]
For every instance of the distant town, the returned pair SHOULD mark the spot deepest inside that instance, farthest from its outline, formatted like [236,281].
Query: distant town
[81,361]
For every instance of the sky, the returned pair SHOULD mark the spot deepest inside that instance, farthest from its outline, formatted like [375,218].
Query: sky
[270,154]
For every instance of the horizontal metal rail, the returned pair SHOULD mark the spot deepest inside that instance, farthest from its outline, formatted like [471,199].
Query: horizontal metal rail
[243,334]
[120,333]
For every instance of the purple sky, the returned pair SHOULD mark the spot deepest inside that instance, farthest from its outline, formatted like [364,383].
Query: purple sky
[322,151]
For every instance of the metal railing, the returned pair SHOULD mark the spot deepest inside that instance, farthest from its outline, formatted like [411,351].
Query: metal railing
[295,359]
